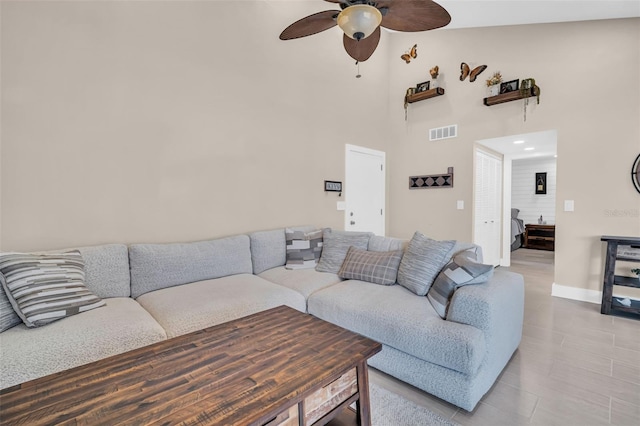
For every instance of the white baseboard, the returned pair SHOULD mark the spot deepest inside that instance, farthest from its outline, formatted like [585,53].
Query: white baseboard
[574,293]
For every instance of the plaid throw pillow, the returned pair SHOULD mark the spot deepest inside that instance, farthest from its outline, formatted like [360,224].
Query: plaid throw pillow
[43,288]
[462,270]
[378,267]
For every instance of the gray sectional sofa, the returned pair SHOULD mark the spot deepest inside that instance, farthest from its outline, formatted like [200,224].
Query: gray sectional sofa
[157,291]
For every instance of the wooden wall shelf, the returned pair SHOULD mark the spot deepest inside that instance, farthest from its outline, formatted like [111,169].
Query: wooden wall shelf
[508,97]
[432,93]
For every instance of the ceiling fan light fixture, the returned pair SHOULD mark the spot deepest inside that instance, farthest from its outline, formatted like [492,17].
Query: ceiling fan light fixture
[359,21]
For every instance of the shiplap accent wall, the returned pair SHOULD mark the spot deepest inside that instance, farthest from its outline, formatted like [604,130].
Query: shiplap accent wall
[523,194]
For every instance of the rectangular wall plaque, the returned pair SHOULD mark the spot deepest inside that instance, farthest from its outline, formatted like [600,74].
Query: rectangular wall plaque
[541,183]
[332,186]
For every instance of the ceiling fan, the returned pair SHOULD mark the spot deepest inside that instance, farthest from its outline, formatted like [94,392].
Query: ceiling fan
[361,21]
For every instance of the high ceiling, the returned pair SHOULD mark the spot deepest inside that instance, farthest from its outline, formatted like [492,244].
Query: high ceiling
[488,13]
[491,13]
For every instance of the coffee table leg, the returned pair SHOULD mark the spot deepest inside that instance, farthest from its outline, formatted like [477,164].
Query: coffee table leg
[362,405]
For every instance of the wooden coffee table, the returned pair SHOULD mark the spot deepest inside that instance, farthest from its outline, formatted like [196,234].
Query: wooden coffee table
[277,367]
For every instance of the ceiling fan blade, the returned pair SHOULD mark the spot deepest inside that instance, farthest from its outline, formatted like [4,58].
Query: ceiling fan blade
[363,49]
[310,25]
[413,15]
[335,1]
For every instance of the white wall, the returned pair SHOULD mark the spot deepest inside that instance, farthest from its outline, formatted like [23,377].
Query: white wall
[160,121]
[598,131]
[523,194]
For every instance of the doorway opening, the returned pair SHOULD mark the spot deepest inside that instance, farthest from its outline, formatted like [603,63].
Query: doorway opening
[524,158]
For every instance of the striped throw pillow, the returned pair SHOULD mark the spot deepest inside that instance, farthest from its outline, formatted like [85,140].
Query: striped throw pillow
[335,245]
[423,259]
[43,288]
[378,267]
[8,317]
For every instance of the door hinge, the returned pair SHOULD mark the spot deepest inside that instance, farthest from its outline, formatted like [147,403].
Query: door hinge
[380,212]
[381,168]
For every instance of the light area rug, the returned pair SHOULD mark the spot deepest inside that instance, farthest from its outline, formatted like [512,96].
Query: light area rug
[390,409]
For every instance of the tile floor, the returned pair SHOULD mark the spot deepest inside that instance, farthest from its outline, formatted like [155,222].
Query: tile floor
[574,366]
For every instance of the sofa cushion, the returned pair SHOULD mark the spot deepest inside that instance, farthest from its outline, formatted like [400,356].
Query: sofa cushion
[462,270]
[394,316]
[378,267]
[303,248]
[106,269]
[158,266]
[43,288]
[335,245]
[120,326]
[423,259]
[304,281]
[268,249]
[202,304]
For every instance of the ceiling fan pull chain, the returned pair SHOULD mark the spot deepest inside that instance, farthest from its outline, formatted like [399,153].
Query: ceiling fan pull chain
[358,65]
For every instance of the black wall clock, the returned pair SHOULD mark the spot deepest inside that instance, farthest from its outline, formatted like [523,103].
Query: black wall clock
[635,173]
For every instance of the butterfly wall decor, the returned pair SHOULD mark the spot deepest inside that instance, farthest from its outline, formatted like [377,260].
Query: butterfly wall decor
[466,71]
[412,54]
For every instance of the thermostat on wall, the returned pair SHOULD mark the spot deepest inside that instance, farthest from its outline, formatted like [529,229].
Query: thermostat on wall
[332,186]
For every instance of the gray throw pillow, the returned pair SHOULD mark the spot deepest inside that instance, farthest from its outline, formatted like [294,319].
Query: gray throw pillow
[462,270]
[303,248]
[43,288]
[423,259]
[8,317]
[378,267]
[335,245]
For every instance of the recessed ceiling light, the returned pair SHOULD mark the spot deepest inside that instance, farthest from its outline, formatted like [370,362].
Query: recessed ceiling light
[518,142]
[529,148]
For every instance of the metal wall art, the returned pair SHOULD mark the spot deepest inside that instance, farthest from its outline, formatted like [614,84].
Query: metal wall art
[432,181]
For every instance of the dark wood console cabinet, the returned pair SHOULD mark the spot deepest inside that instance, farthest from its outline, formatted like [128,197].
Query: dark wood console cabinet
[541,237]
[611,305]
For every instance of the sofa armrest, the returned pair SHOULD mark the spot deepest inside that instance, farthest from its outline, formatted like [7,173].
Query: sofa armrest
[496,307]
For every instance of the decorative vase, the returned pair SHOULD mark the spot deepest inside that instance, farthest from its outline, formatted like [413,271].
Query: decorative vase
[493,90]
[434,83]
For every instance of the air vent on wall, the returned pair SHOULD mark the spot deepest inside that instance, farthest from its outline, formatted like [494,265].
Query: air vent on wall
[445,132]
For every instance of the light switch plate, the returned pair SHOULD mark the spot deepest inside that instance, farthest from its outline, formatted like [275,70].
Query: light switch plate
[341,205]
[568,205]
[460,204]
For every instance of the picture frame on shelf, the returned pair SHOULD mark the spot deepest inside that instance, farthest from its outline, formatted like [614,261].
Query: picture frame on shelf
[509,86]
[422,87]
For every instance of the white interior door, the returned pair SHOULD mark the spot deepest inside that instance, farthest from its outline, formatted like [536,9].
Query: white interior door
[364,190]
[488,205]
